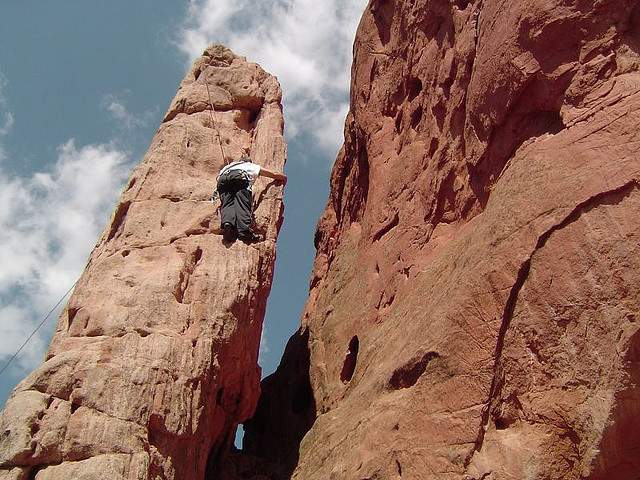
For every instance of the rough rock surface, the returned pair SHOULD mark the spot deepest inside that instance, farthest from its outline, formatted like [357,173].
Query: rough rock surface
[474,310]
[154,360]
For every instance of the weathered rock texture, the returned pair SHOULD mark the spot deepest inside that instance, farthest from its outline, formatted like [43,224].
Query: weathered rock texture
[154,360]
[475,304]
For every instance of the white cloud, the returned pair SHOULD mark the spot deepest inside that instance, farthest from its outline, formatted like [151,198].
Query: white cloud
[306,43]
[48,225]
[126,120]
[6,117]
[264,346]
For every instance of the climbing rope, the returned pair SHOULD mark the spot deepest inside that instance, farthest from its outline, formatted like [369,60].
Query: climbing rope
[38,328]
[213,123]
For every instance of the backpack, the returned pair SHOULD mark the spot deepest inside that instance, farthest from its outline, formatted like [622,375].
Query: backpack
[233,180]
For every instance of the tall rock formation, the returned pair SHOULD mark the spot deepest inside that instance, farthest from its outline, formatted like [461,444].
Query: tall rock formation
[474,309]
[154,360]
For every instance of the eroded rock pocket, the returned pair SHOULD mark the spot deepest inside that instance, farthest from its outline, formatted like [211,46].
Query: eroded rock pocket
[408,374]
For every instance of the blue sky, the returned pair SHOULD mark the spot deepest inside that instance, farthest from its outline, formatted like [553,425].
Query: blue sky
[83,87]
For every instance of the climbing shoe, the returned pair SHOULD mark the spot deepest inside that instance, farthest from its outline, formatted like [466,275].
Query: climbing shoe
[249,237]
[228,231]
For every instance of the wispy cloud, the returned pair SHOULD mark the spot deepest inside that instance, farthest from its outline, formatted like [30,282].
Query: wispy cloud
[6,117]
[306,43]
[125,119]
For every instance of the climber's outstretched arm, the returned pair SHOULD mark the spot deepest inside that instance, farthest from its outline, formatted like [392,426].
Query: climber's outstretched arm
[281,177]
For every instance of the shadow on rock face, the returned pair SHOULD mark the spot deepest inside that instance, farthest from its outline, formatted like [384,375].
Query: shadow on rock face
[618,459]
[286,412]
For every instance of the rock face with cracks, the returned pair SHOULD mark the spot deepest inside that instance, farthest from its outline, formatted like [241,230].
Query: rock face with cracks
[474,308]
[154,360]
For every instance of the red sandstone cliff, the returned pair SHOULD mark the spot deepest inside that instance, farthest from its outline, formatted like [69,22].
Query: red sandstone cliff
[474,306]
[154,361]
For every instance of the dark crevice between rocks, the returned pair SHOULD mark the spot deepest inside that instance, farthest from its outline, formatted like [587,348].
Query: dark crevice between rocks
[351,178]
[131,184]
[286,411]
[383,11]
[74,407]
[609,197]
[398,468]
[71,314]
[408,374]
[415,88]
[33,472]
[390,225]
[416,117]
[118,219]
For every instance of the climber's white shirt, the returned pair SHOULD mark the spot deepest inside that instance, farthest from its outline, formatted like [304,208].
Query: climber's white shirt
[251,169]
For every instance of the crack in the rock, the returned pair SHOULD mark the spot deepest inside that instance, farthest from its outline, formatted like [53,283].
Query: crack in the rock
[197,109]
[523,273]
[190,264]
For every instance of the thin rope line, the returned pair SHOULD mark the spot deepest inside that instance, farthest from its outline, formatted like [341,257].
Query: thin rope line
[213,124]
[38,328]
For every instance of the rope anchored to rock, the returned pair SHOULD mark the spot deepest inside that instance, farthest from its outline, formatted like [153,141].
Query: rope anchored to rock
[215,126]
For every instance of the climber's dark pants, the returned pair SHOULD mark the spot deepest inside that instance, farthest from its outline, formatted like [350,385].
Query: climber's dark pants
[237,206]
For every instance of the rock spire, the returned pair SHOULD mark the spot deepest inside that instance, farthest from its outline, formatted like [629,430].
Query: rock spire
[154,360]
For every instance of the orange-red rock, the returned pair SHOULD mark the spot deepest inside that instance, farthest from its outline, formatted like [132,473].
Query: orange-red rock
[474,306]
[154,360]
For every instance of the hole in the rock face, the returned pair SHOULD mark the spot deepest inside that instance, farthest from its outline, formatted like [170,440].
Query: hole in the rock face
[415,87]
[74,406]
[502,423]
[125,253]
[350,360]
[408,374]
[239,437]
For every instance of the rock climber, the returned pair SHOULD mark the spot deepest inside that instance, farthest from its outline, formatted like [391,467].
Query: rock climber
[234,188]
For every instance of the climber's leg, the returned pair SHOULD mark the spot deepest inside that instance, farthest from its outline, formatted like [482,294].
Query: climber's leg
[244,213]
[228,218]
